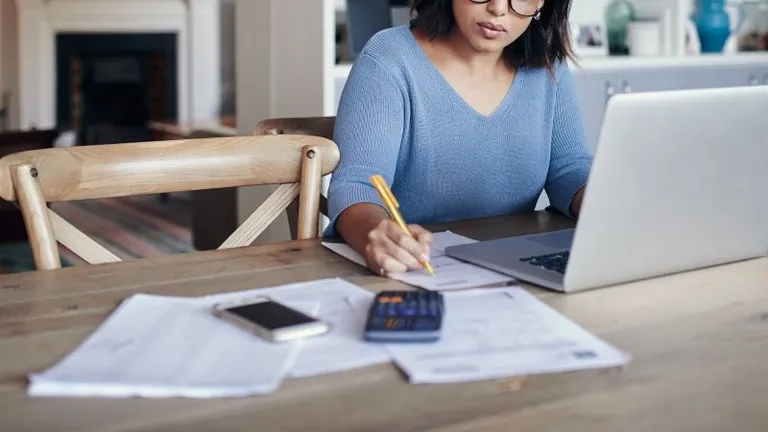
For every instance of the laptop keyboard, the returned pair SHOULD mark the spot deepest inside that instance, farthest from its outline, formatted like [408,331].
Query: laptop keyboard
[555,262]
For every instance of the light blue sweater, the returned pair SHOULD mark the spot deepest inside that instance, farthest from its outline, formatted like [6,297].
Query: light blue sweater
[443,160]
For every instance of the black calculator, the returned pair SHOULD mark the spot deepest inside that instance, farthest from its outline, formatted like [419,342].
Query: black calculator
[405,316]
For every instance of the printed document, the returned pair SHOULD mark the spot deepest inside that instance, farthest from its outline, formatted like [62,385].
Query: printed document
[502,332]
[156,346]
[342,304]
[450,273]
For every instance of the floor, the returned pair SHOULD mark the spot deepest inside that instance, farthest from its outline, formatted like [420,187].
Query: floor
[131,227]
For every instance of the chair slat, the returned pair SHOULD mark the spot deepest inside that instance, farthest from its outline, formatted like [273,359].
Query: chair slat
[79,242]
[309,193]
[262,217]
[35,211]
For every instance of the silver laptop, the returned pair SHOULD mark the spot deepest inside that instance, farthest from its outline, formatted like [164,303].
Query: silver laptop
[679,182]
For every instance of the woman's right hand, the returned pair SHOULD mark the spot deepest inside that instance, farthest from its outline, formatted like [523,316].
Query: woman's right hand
[390,250]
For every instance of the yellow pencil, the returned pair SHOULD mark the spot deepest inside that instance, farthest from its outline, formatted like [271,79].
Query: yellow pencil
[392,205]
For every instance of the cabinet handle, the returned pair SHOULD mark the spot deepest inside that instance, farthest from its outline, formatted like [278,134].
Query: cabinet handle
[765,79]
[753,80]
[627,87]
[609,91]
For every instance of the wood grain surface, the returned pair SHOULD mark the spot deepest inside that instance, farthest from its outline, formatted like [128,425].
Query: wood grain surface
[698,341]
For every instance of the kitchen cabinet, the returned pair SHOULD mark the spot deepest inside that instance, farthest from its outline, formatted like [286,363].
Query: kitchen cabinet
[595,88]
[647,80]
[727,76]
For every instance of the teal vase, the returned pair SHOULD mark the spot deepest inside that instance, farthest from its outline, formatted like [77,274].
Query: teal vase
[618,14]
[712,24]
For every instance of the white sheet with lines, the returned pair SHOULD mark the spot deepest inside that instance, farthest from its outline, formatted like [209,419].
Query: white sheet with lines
[502,332]
[155,346]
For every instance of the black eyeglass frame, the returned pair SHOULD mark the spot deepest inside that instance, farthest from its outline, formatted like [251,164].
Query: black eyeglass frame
[535,13]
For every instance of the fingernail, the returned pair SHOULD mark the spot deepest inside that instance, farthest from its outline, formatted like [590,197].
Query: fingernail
[425,257]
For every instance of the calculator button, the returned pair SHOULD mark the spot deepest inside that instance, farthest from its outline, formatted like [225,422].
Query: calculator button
[407,309]
[395,324]
[392,312]
[377,323]
[433,309]
[424,324]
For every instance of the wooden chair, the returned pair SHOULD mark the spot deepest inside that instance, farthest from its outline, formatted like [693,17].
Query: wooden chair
[315,126]
[35,178]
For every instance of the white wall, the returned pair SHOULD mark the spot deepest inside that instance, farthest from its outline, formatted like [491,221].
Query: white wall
[284,55]
[588,10]
[9,42]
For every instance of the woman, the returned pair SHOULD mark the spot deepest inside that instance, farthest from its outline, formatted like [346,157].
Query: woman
[468,112]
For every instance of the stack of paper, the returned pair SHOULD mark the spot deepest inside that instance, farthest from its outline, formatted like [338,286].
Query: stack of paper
[156,346]
[502,332]
[450,273]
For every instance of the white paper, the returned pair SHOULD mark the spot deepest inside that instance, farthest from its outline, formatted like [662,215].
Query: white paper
[450,273]
[502,332]
[342,304]
[156,346]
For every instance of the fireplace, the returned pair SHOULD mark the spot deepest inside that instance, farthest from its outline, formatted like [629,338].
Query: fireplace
[171,46]
[109,86]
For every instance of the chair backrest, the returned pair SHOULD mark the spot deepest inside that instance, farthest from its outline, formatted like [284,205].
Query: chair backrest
[315,126]
[35,178]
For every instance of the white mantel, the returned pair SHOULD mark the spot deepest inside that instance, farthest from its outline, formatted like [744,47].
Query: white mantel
[196,23]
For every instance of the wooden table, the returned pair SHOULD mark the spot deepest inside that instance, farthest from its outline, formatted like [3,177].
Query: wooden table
[699,342]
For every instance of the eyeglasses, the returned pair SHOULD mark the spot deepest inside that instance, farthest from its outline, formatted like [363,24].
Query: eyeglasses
[524,8]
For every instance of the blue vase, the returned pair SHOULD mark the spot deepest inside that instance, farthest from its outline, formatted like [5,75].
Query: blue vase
[712,24]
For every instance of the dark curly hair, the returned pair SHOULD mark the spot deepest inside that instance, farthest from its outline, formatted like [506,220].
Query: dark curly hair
[545,42]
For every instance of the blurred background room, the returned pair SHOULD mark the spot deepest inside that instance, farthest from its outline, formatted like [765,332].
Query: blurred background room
[95,72]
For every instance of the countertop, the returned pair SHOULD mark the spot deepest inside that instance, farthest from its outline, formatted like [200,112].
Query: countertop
[628,62]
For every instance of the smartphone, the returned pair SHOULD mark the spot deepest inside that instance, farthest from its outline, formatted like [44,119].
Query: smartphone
[270,320]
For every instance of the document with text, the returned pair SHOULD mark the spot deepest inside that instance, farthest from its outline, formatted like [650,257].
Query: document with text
[499,333]
[160,346]
[450,273]
[157,346]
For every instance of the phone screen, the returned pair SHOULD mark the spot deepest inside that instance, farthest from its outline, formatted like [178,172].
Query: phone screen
[271,315]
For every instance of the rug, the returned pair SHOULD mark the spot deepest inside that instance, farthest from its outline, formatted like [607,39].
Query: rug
[130,227]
